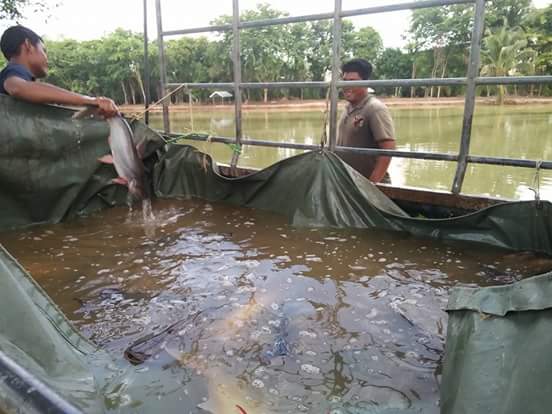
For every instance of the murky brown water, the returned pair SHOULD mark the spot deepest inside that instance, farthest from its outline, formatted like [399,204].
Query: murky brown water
[358,314]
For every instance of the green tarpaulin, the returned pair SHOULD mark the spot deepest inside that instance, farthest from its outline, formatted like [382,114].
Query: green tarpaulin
[49,172]
[498,349]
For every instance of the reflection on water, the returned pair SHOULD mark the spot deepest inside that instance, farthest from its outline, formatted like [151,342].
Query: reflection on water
[508,131]
[272,318]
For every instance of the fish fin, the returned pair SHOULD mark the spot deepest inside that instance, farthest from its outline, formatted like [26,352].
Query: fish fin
[120,180]
[106,159]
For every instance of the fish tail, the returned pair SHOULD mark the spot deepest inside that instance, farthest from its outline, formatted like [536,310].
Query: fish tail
[135,189]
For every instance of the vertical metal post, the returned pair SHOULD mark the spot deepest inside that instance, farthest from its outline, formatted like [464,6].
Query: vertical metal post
[146,74]
[336,63]
[162,66]
[469,104]
[190,106]
[236,59]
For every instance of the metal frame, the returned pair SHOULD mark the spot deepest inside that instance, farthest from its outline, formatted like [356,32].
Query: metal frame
[29,394]
[471,81]
[146,76]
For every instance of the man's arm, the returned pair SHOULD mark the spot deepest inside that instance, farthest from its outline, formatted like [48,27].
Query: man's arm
[382,163]
[45,93]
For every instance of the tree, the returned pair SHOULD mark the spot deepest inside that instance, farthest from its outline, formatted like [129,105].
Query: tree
[12,9]
[441,30]
[505,53]
[365,43]
[538,26]
[393,64]
[513,11]
[262,49]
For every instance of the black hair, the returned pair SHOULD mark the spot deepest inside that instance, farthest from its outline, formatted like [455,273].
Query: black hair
[14,37]
[360,66]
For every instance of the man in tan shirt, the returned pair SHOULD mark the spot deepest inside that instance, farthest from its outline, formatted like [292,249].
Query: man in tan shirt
[365,123]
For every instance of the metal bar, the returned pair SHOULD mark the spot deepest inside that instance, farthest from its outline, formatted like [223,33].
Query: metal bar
[220,85]
[404,82]
[204,29]
[236,58]
[435,156]
[146,65]
[162,66]
[469,106]
[404,6]
[253,142]
[513,80]
[504,80]
[318,16]
[29,391]
[336,58]
[510,162]
[191,108]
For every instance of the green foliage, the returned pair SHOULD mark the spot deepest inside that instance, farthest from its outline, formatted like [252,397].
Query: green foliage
[538,26]
[12,9]
[365,43]
[393,63]
[505,53]
[513,11]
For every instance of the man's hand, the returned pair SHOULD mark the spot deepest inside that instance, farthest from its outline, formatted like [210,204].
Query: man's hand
[40,92]
[382,162]
[106,106]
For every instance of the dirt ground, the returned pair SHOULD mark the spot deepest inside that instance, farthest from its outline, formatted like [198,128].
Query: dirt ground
[321,104]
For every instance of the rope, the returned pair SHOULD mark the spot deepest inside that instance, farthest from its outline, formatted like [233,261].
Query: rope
[536,181]
[236,151]
[139,115]
[324,137]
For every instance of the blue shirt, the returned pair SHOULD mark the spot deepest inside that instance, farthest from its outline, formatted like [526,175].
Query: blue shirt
[14,69]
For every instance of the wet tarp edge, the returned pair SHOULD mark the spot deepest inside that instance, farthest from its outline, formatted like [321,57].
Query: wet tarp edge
[497,354]
[531,294]
[37,336]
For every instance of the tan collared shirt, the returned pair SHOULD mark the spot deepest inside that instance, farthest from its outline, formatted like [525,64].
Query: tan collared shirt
[363,126]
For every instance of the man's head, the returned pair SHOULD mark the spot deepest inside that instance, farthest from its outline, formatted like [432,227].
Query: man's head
[356,69]
[25,47]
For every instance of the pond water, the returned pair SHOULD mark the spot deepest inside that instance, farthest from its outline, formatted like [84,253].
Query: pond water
[274,318]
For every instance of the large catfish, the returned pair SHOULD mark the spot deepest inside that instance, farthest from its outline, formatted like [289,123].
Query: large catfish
[124,155]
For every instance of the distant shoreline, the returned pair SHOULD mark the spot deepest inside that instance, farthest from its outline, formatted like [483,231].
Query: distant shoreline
[297,105]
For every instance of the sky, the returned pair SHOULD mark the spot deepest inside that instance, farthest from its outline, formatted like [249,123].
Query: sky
[83,20]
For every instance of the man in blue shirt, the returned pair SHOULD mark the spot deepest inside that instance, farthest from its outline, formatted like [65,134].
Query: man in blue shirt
[27,61]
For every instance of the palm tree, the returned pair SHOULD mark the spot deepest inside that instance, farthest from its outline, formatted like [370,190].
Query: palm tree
[505,53]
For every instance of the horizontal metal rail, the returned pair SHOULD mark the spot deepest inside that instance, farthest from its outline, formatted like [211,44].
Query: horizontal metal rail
[319,16]
[439,156]
[513,80]
[481,80]
[254,142]
[435,156]
[29,391]
[495,80]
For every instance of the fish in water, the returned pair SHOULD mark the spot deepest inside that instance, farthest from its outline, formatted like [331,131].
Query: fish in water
[280,346]
[124,154]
